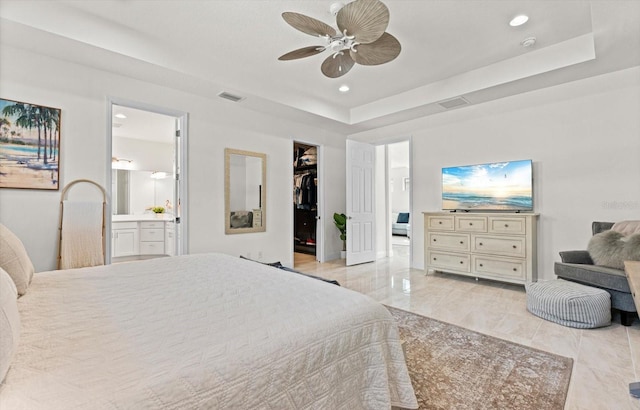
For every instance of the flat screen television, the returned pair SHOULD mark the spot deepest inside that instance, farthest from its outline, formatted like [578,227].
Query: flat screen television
[497,186]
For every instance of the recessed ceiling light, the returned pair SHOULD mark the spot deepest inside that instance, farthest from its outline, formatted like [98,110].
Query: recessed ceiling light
[343,88]
[120,115]
[518,20]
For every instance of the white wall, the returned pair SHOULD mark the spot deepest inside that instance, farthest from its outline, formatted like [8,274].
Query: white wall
[584,139]
[382,223]
[214,124]
[400,195]
[145,155]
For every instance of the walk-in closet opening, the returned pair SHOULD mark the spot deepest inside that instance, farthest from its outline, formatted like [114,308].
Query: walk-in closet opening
[305,202]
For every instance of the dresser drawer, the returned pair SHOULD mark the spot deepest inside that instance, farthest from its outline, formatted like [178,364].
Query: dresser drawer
[499,245]
[152,248]
[508,225]
[448,261]
[151,235]
[152,224]
[449,241]
[471,223]
[499,267]
[440,223]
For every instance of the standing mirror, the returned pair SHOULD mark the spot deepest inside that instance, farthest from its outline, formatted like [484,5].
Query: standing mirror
[245,191]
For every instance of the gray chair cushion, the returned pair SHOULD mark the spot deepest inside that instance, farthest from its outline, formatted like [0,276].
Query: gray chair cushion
[600,276]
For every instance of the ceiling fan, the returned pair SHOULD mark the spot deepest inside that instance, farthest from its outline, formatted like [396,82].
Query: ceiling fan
[362,38]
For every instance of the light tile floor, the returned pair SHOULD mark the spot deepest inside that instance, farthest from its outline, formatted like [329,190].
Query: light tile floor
[606,360]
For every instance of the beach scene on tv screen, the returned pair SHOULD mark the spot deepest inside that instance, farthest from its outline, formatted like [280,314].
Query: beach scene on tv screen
[495,186]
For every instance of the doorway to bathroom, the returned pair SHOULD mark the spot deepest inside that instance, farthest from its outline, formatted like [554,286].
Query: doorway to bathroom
[148,196]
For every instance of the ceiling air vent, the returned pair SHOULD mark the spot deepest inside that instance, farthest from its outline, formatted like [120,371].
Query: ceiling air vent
[453,103]
[230,97]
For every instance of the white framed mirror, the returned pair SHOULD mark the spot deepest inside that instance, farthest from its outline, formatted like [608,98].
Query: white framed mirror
[245,191]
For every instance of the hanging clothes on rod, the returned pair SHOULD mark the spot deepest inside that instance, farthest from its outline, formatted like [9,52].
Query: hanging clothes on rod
[306,190]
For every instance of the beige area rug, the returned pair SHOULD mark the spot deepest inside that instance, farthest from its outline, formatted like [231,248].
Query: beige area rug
[456,368]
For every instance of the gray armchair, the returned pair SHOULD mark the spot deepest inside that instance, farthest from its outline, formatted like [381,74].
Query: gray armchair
[577,266]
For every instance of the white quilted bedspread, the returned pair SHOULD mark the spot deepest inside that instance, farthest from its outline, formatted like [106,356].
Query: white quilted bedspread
[202,331]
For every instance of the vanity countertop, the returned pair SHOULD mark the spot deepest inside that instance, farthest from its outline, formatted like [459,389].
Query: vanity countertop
[142,217]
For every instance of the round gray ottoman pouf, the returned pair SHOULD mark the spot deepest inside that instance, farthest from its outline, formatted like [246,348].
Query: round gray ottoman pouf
[569,303]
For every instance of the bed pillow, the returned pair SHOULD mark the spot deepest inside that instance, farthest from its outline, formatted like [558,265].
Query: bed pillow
[611,248]
[403,218]
[15,260]
[9,322]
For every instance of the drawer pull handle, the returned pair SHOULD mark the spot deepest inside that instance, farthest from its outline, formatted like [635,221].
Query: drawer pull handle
[480,244]
[461,262]
[440,222]
[514,247]
[506,225]
[481,265]
[470,223]
[461,242]
[515,269]
[435,240]
[435,259]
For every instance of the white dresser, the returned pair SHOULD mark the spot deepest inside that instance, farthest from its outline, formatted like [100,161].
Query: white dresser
[498,246]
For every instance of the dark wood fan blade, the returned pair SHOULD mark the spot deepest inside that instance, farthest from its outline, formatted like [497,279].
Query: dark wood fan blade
[308,24]
[334,67]
[364,19]
[381,51]
[301,53]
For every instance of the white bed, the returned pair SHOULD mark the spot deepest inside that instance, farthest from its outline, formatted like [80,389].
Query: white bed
[202,331]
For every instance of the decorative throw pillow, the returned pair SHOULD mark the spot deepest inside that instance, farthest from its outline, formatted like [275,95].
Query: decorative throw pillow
[632,248]
[9,322]
[15,260]
[273,264]
[627,227]
[605,248]
[403,218]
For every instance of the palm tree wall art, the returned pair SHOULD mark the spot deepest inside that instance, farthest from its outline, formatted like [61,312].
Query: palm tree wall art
[29,145]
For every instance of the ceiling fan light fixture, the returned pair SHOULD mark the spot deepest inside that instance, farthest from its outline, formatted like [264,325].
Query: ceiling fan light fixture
[343,88]
[519,20]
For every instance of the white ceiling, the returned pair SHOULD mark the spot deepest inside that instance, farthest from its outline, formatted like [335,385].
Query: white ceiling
[449,48]
[143,125]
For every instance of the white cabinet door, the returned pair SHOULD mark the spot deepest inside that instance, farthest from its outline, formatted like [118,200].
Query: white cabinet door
[170,240]
[125,242]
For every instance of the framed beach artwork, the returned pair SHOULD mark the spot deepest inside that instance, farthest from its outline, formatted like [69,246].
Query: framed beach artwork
[29,145]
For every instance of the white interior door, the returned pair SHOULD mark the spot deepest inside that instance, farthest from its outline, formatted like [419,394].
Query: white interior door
[360,203]
[175,237]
